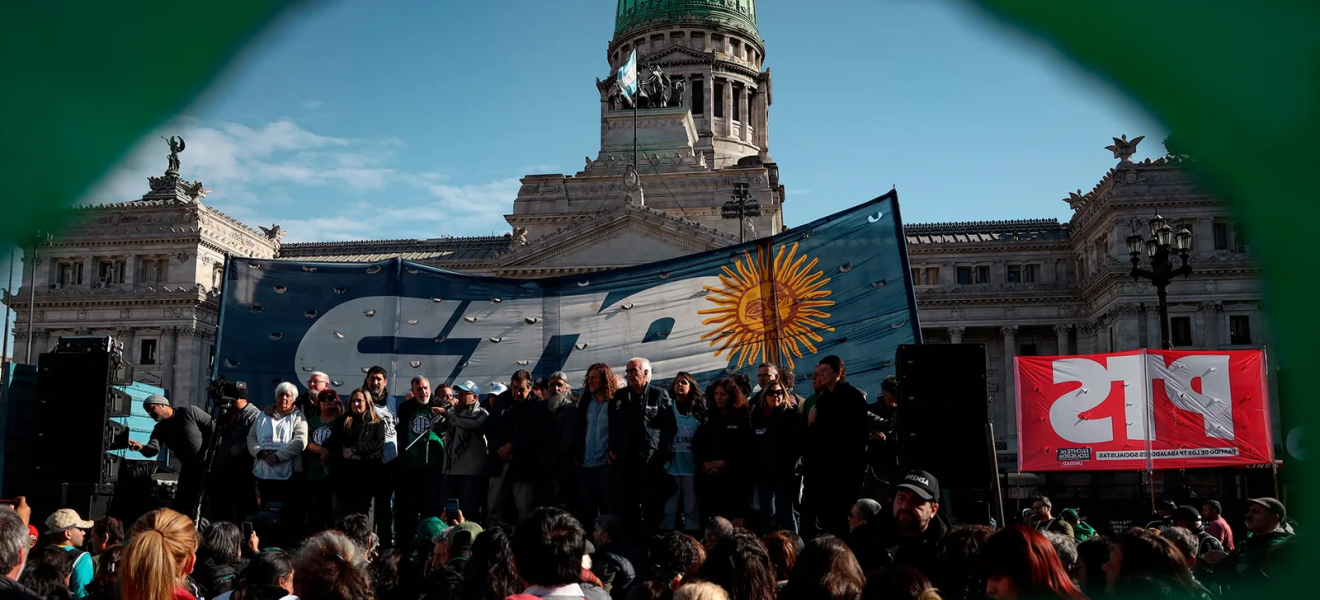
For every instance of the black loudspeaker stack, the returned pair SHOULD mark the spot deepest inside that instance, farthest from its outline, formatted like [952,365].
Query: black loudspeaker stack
[943,414]
[71,432]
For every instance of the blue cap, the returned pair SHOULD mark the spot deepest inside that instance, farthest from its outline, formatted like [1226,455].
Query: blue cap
[469,387]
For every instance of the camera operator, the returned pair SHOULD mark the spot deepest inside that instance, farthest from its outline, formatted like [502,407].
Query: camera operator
[187,432]
[230,486]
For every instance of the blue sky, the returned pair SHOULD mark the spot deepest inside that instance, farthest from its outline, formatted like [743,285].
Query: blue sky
[415,119]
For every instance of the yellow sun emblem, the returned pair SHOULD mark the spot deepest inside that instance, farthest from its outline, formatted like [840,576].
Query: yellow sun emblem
[753,333]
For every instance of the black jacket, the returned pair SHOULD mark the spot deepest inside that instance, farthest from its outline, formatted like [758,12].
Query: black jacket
[667,427]
[777,441]
[836,442]
[13,590]
[366,440]
[234,432]
[613,565]
[521,424]
[920,553]
[637,438]
[868,546]
[726,437]
[215,577]
[561,432]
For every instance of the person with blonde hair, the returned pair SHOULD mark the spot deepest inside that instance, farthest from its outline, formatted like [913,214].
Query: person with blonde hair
[701,590]
[329,566]
[356,443]
[160,553]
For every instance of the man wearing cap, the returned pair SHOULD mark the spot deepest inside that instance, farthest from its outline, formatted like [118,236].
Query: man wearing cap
[449,557]
[186,431]
[463,427]
[1246,564]
[493,391]
[918,528]
[68,531]
[14,550]
[231,487]
[1163,514]
[557,477]
[1082,531]
[1189,518]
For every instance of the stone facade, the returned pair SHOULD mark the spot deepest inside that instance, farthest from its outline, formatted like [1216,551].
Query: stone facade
[1040,287]
[147,272]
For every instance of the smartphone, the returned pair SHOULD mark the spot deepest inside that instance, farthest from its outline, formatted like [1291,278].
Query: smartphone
[451,507]
[247,529]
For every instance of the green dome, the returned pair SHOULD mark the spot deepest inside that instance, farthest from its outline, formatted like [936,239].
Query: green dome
[739,15]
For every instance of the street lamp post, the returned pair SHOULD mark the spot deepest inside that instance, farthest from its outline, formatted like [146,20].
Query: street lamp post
[1161,245]
[741,206]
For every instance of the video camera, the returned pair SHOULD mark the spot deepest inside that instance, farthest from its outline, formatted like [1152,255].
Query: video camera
[222,393]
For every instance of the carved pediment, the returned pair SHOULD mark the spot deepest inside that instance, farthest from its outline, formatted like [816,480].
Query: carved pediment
[627,235]
[675,54]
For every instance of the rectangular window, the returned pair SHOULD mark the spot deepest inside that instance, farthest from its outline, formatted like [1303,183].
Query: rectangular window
[153,270]
[932,275]
[1030,273]
[1015,273]
[110,271]
[916,276]
[1221,236]
[1027,350]
[964,275]
[1240,238]
[719,101]
[1181,331]
[1239,330]
[147,355]
[983,274]
[698,97]
[69,273]
[737,104]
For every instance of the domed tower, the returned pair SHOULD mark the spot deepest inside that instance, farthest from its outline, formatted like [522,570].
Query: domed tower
[713,48]
[668,162]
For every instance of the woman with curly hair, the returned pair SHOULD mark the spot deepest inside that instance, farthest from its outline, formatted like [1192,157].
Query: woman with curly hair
[722,450]
[492,557]
[596,476]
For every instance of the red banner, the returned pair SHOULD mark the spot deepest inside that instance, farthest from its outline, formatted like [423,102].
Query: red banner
[1145,409]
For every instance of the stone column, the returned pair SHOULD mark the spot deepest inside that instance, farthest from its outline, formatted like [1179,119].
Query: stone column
[182,364]
[1086,338]
[1211,338]
[956,334]
[1010,383]
[1061,338]
[125,336]
[727,100]
[744,99]
[165,357]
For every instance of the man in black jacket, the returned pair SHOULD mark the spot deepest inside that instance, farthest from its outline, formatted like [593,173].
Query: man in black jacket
[515,431]
[837,431]
[634,437]
[231,487]
[918,526]
[557,479]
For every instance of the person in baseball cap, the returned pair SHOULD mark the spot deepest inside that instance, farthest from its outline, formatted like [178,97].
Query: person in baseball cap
[68,531]
[919,528]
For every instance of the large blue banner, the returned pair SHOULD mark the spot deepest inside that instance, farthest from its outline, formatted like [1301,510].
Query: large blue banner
[839,285]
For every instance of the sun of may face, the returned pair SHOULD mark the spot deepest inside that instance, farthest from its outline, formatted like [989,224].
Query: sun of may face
[788,282]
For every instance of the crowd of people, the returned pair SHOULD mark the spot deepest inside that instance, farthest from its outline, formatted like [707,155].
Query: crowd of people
[629,492]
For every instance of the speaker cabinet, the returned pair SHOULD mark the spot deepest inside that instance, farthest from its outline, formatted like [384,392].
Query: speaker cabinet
[943,414]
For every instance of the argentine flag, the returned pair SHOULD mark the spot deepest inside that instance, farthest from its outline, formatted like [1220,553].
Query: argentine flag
[628,76]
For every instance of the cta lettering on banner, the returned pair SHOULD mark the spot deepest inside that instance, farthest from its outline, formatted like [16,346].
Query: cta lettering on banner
[1143,409]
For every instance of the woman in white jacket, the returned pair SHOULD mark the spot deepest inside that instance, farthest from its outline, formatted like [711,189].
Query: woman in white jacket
[277,440]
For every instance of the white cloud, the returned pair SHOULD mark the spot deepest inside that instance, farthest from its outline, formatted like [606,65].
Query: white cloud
[311,104]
